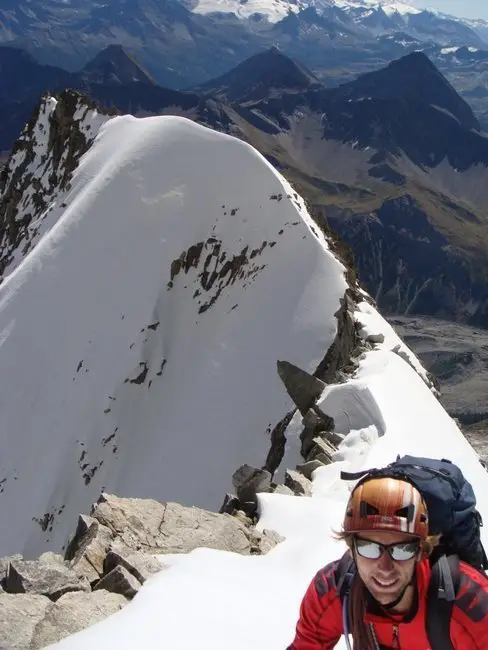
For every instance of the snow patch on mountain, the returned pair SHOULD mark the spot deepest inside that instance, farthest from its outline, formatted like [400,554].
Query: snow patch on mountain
[274,10]
[388,6]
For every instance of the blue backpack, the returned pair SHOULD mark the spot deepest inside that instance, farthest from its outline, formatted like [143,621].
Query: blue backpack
[451,504]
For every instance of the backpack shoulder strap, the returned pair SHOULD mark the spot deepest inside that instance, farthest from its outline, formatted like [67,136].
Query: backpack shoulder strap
[345,572]
[441,595]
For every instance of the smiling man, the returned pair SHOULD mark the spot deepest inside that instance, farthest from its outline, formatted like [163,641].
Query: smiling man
[387,573]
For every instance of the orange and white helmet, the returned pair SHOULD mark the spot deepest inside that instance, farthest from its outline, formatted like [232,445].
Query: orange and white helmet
[384,503]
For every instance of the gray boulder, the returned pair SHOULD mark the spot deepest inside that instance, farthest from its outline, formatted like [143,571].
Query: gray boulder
[119,581]
[264,541]
[375,338]
[309,467]
[70,614]
[332,437]
[301,386]
[88,548]
[140,565]
[314,421]
[4,562]
[322,451]
[230,505]
[19,617]
[282,489]
[300,485]
[42,578]
[48,556]
[248,481]
[152,527]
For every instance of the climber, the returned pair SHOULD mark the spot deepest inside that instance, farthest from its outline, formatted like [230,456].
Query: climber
[384,592]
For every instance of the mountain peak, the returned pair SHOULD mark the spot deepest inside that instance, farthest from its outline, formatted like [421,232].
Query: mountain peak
[265,74]
[414,78]
[114,65]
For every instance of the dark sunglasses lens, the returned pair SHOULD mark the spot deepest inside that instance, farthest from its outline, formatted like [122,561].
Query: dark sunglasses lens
[402,552]
[369,550]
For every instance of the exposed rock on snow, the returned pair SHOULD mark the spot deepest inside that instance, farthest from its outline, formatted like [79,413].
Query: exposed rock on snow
[19,617]
[248,481]
[168,527]
[119,581]
[106,563]
[43,578]
[87,550]
[309,467]
[73,612]
[298,483]
[302,387]
[140,565]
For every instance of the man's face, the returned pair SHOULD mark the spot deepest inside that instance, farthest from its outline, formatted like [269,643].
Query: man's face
[385,578]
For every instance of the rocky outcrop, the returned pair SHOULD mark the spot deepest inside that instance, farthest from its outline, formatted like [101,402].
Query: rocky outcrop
[43,578]
[74,612]
[19,617]
[40,168]
[29,622]
[109,558]
[152,527]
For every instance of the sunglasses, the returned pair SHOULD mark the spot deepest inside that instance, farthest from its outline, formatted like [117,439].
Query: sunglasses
[400,552]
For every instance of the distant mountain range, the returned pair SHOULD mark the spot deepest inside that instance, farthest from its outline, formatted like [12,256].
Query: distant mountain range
[394,161]
[188,42]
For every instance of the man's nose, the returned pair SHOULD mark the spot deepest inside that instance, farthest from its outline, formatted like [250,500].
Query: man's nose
[385,562]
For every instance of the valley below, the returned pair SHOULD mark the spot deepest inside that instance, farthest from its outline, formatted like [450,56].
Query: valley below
[457,355]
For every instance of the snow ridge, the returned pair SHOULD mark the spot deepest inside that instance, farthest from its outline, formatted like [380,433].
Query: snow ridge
[139,338]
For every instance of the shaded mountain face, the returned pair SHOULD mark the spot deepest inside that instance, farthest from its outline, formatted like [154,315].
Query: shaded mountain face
[413,78]
[264,75]
[22,76]
[115,66]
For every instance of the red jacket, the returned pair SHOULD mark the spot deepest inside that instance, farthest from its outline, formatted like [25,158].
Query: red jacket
[320,624]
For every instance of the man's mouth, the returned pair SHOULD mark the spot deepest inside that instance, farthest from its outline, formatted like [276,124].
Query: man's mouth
[385,584]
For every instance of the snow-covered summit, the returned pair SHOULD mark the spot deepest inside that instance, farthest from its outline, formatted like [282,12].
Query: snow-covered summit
[275,10]
[140,336]
[388,6]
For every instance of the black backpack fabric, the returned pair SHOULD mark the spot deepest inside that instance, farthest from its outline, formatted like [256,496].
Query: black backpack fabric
[451,504]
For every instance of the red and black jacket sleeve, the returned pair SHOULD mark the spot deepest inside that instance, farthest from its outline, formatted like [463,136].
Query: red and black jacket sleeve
[319,625]
[471,610]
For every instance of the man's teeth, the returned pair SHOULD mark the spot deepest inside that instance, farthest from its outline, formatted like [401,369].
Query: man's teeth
[385,583]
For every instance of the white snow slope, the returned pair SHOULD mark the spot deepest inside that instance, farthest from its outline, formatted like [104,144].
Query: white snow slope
[214,600]
[118,371]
